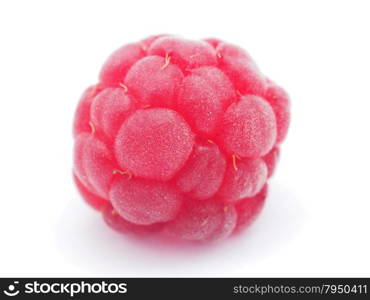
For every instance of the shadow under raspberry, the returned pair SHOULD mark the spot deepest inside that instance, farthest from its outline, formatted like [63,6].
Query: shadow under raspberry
[93,247]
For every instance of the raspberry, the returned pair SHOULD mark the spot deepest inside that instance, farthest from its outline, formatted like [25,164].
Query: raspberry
[203,174]
[210,220]
[248,209]
[153,143]
[115,221]
[109,109]
[241,69]
[271,160]
[98,164]
[143,201]
[82,115]
[158,86]
[244,179]
[115,68]
[92,199]
[279,102]
[203,97]
[184,53]
[248,127]
[178,138]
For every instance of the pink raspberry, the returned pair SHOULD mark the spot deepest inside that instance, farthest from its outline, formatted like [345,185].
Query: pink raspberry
[179,137]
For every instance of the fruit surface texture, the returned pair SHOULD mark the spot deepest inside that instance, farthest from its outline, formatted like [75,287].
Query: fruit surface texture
[179,138]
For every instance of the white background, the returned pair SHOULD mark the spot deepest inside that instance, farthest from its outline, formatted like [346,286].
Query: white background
[317,218]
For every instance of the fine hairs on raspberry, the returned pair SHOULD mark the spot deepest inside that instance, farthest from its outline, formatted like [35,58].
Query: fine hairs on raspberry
[178,138]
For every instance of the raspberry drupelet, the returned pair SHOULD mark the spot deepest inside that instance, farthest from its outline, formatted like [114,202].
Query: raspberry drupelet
[179,137]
